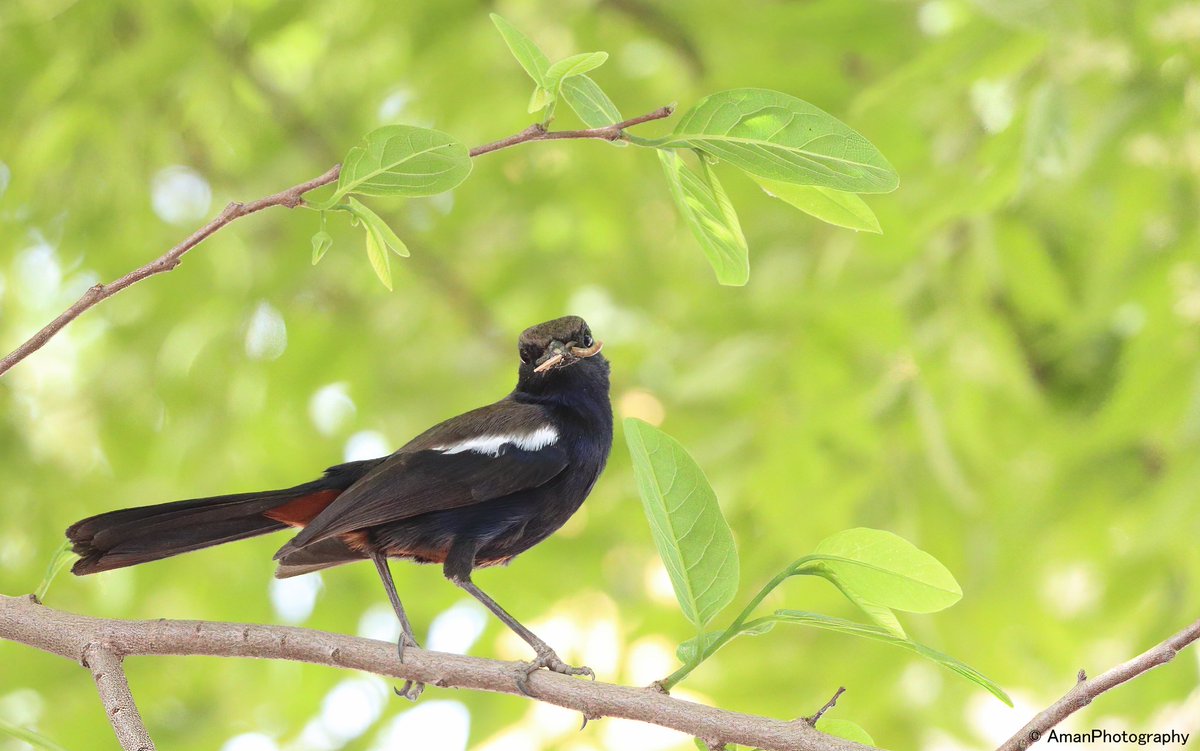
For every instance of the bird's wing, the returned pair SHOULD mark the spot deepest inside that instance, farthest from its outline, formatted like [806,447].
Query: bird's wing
[488,453]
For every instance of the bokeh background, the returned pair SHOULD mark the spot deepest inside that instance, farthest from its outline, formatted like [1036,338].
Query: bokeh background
[1009,376]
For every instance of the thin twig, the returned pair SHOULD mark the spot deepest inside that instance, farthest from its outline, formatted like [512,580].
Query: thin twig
[118,701]
[1085,689]
[538,133]
[291,198]
[68,635]
[814,718]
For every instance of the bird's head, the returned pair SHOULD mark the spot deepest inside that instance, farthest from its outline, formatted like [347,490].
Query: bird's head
[555,345]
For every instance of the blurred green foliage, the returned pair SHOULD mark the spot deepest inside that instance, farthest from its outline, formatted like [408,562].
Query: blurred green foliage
[1009,376]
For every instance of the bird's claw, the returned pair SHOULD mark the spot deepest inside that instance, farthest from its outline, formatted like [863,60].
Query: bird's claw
[411,690]
[551,661]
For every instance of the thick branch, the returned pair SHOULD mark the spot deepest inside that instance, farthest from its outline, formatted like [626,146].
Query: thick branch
[291,198]
[1085,689]
[68,635]
[118,700]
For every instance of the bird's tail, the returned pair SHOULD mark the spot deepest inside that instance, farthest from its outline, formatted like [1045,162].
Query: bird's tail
[137,535]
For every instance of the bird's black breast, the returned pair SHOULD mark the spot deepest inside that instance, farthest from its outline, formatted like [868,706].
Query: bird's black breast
[525,519]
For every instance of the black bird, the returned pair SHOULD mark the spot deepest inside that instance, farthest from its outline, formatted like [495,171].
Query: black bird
[474,491]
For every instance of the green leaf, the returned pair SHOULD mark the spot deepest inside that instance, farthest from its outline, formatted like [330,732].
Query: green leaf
[590,103]
[58,562]
[403,160]
[829,623]
[378,256]
[321,242]
[885,569]
[580,92]
[707,211]
[37,740]
[575,65]
[384,232]
[780,137]
[851,731]
[538,99]
[693,649]
[828,205]
[531,58]
[879,614]
[689,530]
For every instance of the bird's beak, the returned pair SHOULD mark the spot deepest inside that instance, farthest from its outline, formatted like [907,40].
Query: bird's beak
[568,352]
[548,364]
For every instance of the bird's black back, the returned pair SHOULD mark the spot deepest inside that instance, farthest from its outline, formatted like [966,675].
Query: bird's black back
[505,526]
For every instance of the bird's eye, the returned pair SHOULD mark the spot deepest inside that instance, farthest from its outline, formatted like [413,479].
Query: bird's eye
[526,355]
[586,341]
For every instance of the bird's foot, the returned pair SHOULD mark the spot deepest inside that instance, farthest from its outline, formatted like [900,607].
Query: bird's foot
[547,658]
[405,641]
[411,690]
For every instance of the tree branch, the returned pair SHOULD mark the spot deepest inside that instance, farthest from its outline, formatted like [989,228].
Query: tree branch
[1085,690]
[291,198]
[101,644]
[25,621]
[118,700]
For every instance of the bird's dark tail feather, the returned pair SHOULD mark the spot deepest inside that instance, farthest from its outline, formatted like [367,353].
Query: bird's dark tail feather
[137,535]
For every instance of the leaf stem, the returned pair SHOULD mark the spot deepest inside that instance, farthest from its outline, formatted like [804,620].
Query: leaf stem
[738,624]
[649,143]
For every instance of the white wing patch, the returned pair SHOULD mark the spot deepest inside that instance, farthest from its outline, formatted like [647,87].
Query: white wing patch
[491,444]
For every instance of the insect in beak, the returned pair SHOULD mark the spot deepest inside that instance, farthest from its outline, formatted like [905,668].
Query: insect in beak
[583,352]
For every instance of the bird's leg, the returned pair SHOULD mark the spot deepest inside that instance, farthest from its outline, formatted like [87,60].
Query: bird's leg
[410,690]
[546,656]
[406,636]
